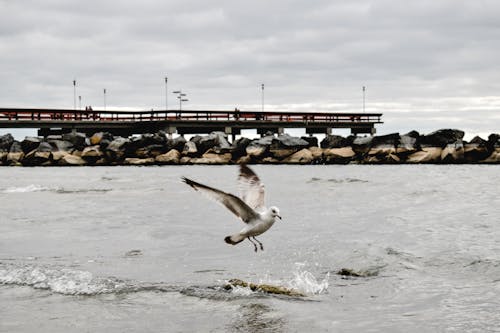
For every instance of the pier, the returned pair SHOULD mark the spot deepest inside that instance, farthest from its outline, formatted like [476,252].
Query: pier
[126,123]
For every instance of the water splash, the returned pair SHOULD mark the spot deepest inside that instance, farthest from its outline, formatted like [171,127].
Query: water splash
[307,283]
[26,189]
[62,281]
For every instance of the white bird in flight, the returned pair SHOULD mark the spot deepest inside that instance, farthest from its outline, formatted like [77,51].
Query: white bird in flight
[250,208]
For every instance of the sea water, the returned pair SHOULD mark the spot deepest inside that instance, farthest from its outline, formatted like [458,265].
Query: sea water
[133,249]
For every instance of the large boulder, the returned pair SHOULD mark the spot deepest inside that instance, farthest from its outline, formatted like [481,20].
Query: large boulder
[15,155]
[239,147]
[493,142]
[177,143]
[150,151]
[92,153]
[334,141]
[97,138]
[190,149]
[476,150]
[30,143]
[338,155]
[116,149]
[6,141]
[441,138]
[171,157]
[61,145]
[221,158]
[286,141]
[79,140]
[426,155]
[221,143]
[453,152]
[138,161]
[303,156]
[311,140]
[259,148]
[383,149]
[408,144]
[362,145]
[71,160]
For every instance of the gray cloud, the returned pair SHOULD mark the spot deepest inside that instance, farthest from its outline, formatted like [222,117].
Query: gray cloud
[417,56]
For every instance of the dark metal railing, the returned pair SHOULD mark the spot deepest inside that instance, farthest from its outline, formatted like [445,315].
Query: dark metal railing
[58,115]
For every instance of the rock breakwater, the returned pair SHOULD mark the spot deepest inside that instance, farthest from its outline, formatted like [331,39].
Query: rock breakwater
[76,149]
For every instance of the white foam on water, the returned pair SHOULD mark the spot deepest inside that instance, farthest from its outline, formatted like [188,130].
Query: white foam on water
[242,291]
[26,189]
[62,281]
[307,283]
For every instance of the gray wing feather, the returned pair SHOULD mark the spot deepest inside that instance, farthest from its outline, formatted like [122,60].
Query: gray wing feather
[251,188]
[233,203]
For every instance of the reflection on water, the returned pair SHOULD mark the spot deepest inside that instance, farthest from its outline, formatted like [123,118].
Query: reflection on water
[256,318]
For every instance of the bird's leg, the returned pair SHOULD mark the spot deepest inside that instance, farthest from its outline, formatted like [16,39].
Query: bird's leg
[254,245]
[261,246]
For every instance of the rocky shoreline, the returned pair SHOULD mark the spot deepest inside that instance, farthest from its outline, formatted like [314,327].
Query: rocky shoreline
[444,146]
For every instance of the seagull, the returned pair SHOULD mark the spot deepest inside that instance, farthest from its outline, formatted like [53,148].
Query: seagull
[250,208]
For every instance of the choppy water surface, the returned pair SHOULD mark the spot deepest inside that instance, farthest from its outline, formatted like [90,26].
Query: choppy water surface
[131,249]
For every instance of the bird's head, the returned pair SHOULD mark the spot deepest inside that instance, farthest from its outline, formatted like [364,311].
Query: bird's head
[275,212]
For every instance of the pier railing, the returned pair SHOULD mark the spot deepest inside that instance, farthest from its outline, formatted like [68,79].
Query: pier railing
[64,115]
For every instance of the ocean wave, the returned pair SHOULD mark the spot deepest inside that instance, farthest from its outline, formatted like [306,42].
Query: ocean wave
[60,190]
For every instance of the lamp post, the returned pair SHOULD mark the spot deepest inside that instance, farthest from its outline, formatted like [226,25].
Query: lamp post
[74,95]
[104,90]
[180,97]
[364,92]
[262,86]
[80,102]
[166,94]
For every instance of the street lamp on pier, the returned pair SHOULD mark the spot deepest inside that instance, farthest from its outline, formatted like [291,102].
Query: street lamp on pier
[166,94]
[364,92]
[74,95]
[104,99]
[262,86]
[180,97]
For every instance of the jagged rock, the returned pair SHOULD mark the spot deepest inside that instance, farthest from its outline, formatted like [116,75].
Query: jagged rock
[317,152]
[61,145]
[71,160]
[171,157]
[96,138]
[6,141]
[92,152]
[338,155]
[286,141]
[476,150]
[177,143]
[30,143]
[15,155]
[408,144]
[116,148]
[494,157]
[426,155]
[36,158]
[79,140]
[150,151]
[59,154]
[45,147]
[453,152]
[185,160]
[190,149]
[214,160]
[244,160]
[3,157]
[441,138]
[214,139]
[138,161]
[303,156]
[224,158]
[282,153]
[260,147]
[269,160]
[493,142]
[263,288]
[239,147]
[334,141]
[362,145]
[311,140]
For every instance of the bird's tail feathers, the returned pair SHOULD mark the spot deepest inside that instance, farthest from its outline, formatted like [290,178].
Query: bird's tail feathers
[234,239]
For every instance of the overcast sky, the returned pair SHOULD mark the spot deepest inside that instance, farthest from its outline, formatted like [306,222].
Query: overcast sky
[427,64]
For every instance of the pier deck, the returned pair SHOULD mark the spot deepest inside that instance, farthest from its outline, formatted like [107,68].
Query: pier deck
[125,123]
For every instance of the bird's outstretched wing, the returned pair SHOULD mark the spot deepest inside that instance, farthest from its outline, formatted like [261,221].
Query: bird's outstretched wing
[251,188]
[232,202]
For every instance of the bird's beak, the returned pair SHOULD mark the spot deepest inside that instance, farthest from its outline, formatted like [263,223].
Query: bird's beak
[278,216]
